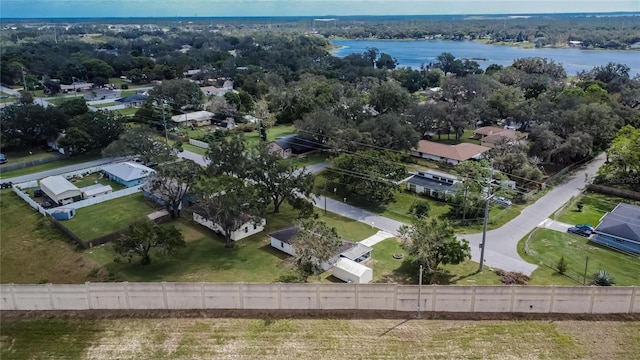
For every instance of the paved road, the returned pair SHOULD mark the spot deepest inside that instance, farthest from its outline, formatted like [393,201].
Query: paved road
[60,170]
[501,244]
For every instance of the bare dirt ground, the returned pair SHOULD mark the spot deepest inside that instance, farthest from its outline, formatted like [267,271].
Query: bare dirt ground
[291,335]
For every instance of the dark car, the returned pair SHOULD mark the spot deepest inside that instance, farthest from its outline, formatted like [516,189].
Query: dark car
[6,185]
[582,231]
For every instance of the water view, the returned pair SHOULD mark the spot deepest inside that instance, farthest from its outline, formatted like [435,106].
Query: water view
[413,53]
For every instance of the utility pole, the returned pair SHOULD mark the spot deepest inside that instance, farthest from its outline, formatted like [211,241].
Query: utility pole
[164,120]
[419,290]
[24,79]
[486,218]
[586,266]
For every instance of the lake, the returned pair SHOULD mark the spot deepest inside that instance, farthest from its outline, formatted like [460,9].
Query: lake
[412,53]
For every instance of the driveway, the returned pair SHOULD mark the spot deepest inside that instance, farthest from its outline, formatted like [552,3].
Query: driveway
[555,225]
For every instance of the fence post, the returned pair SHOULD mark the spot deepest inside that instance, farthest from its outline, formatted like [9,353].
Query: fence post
[357,295]
[552,298]
[241,295]
[473,299]
[633,299]
[434,297]
[164,295]
[87,291]
[13,297]
[202,299]
[52,305]
[126,293]
[513,298]
[592,295]
[279,296]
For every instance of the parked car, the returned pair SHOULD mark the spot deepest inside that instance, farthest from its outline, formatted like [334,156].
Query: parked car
[6,185]
[585,226]
[502,201]
[3,158]
[582,231]
[37,192]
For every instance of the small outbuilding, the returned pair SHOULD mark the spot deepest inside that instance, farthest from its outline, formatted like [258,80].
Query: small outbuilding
[352,272]
[248,228]
[128,173]
[95,190]
[60,190]
[63,214]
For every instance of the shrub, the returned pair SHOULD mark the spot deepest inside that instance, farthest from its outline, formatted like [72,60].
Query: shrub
[420,209]
[512,278]
[562,266]
[602,278]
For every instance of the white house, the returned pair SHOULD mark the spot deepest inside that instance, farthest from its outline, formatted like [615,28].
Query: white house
[432,183]
[60,190]
[352,272]
[281,240]
[196,118]
[247,229]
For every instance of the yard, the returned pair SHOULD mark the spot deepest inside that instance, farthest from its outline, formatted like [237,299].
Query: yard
[130,111]
[551,245]
[23,156]
[49,166]
[595,206]
[34,251]
[451,138]
[95,178]
[206,259]
[265,338]
[109,216]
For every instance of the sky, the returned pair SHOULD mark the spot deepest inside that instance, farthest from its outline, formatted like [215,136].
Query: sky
[206,8]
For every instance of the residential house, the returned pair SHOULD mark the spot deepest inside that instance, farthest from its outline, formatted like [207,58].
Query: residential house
[491,136]
[128,173]
[452,154]
[620,229]
[191,72]
[76,86]
[213,91]
[196,118]
[134,100]
[281,240]
[158,197]
[60,190]
[291,145]
[248,228]
[433,183]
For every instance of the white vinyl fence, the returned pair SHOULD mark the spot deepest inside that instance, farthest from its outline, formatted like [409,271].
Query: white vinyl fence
[103,198]
[198,143]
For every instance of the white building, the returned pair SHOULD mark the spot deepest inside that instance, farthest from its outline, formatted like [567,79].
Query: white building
[432,183]
[60,190]
[352,272]
[196,118]
[247,229]
[95,190]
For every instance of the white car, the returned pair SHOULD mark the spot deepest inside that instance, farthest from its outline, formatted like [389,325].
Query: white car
[502,201]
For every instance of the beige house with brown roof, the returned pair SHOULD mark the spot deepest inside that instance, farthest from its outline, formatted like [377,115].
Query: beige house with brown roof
[492,135]
[452,154]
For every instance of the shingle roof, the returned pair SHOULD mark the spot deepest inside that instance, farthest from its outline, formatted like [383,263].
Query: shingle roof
[460,152]
[128,171]
[295,143]
[622,222]
[195,116]
[287,234]
[429,183]
[488,130]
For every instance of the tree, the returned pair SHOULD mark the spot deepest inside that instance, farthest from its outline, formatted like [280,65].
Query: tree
[315,244]
[180,93]
[140,141]
[390,131]
[25,97]
[227,156]
[420,209]
[389,97]
[385,61]
[93,131]
[143,235]
[280,180]
[623,155]
[370,174]
[230,203]
[431,242]
[74,107]
[29,125]
[173,182]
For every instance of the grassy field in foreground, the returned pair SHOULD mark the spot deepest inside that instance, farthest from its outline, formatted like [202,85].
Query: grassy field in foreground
[311,339]
[33,250]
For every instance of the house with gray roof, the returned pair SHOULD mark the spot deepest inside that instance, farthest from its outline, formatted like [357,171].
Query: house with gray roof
[620,229]
[134,100]
[433,183]
[292,145]
[128,173]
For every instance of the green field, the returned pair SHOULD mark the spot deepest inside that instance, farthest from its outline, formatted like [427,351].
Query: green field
[130,111]
[23,156]
[551,245]
[34,251]
[265,338]
[109,216]
[194,149]
[595,206]
[49,166]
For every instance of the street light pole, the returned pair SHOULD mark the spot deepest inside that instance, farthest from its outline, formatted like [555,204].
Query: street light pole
[486,219]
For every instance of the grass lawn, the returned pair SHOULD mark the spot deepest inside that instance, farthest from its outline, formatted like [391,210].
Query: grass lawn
[272,133]
[59,100]
[34,251]
[102,105]
[551,245]
[49,166]
[194,149]
[110,216]
[22,156]
[595,206]
[451,138]
[206,259]
[95,177]
[388,269]
[127,111]
[125,93]
[224,338]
